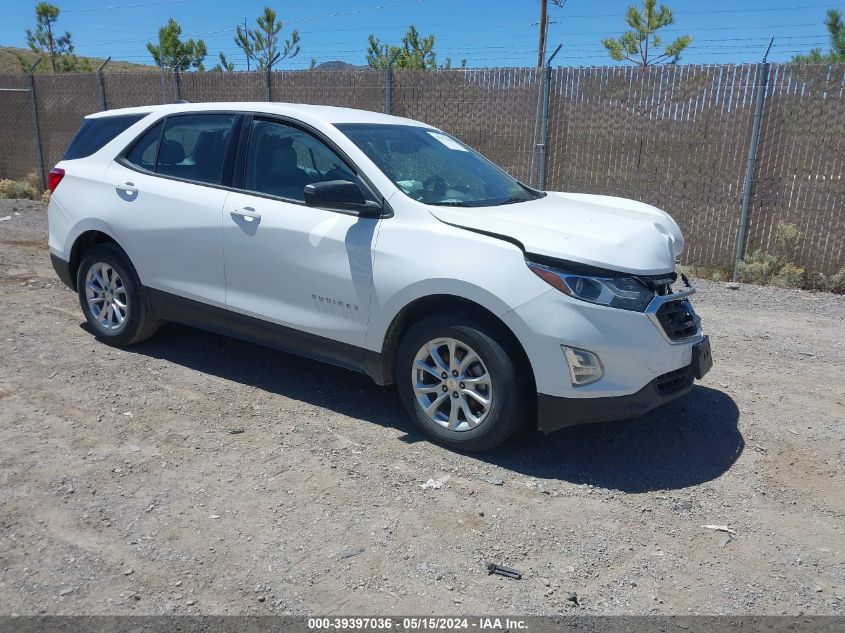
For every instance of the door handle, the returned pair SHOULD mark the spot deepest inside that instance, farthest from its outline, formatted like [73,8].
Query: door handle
[247,213]
[128,188]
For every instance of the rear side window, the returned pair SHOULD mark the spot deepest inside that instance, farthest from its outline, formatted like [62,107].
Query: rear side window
[194,147]
[95,133]
[145,151]
[190,147]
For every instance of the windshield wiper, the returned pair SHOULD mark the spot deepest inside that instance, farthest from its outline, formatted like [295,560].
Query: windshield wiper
[449,203]
[513,200]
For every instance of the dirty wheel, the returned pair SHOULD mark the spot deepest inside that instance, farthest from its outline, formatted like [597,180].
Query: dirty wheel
[113,301]
[459,384]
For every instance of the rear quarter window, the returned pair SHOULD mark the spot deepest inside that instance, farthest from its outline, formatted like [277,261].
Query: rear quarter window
[95,133]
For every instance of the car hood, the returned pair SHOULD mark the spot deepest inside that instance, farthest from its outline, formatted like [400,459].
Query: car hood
[601,231]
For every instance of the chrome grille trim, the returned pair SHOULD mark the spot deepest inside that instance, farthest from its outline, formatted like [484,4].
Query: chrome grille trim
[658,302]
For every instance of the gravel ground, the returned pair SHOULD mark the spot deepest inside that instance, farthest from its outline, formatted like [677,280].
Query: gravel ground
[198,474]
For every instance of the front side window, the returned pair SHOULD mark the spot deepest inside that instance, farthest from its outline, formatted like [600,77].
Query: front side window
[191,147]
[432,167]
[282,159]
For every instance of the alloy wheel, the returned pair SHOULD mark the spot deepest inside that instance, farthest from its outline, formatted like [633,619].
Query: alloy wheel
[452,384]
[106,296]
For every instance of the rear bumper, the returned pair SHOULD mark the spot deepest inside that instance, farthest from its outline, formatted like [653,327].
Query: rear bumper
[62,269]
[555,412]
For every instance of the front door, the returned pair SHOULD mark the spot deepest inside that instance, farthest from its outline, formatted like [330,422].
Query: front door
[303,269]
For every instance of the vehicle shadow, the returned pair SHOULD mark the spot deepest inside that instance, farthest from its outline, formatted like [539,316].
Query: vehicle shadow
[340,390]
[686,442]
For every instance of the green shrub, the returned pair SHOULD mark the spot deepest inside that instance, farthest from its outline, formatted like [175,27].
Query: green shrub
[789,276]
[758,268]
[837,282]
[704,272]
[33,180]
[787,238]
[18,189]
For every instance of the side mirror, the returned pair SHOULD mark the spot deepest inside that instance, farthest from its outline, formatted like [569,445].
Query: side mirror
[342,195]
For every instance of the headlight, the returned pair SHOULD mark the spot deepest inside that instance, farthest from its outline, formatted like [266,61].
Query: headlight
[626,293]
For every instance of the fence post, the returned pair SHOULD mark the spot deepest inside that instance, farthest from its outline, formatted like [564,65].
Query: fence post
[267,83]
[163,84]
[760,98]
[35,126]
[544,122]
[388,84]
[102,80]
[388,89]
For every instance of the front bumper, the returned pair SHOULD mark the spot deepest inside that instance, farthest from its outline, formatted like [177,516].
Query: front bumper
[632,348]
[555,412]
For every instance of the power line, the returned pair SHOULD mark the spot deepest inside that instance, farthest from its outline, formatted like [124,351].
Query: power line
[711,11]
[125,6]
[353,11]
[225,32]
[232,29]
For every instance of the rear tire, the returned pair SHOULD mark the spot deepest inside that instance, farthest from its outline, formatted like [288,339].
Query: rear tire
[460,385]
[114,302]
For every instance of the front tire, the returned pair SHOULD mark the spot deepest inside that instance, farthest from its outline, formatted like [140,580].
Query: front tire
[114,302]
[460,385]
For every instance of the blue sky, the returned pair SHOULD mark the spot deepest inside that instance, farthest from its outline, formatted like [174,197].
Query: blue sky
[484,32]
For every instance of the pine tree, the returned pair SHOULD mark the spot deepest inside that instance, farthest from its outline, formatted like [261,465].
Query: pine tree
[642,45]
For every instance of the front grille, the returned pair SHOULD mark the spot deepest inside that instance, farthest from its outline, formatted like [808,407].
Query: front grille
[677,319]
[673,381]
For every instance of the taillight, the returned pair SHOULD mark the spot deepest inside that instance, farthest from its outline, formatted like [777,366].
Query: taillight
[54,178]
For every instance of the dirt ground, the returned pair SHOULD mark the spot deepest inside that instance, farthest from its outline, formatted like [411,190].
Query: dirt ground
[198,474]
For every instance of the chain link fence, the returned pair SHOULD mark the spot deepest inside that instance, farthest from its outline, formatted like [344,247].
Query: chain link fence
[678,137]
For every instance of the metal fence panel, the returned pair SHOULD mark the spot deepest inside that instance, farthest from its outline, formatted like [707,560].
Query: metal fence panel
[17,140]
[493,110]
[214,86]
[800,174]
[673,136]
[362,89]
[126,90]
[63,101]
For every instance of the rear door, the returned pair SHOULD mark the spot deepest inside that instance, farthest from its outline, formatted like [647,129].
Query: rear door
[168,195]
[303,268]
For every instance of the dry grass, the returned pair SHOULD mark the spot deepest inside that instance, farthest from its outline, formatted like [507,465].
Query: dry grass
[29,188]
[9,64]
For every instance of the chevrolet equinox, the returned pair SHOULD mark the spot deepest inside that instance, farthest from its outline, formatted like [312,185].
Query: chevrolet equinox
[382,245]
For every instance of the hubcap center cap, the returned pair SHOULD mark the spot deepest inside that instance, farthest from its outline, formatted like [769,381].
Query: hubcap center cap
[452,384]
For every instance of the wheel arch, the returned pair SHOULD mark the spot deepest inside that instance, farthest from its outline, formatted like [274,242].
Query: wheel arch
[83,242]
[382,365]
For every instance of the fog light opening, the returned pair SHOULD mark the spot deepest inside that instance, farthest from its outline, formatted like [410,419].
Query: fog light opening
[584,367]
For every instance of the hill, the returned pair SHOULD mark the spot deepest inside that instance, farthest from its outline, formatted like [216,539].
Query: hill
[9,64]
[337,65]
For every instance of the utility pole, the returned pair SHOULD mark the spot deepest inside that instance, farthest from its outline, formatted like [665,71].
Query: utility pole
[544,19]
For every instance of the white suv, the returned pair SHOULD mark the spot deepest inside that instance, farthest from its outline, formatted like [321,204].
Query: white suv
[382,245]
